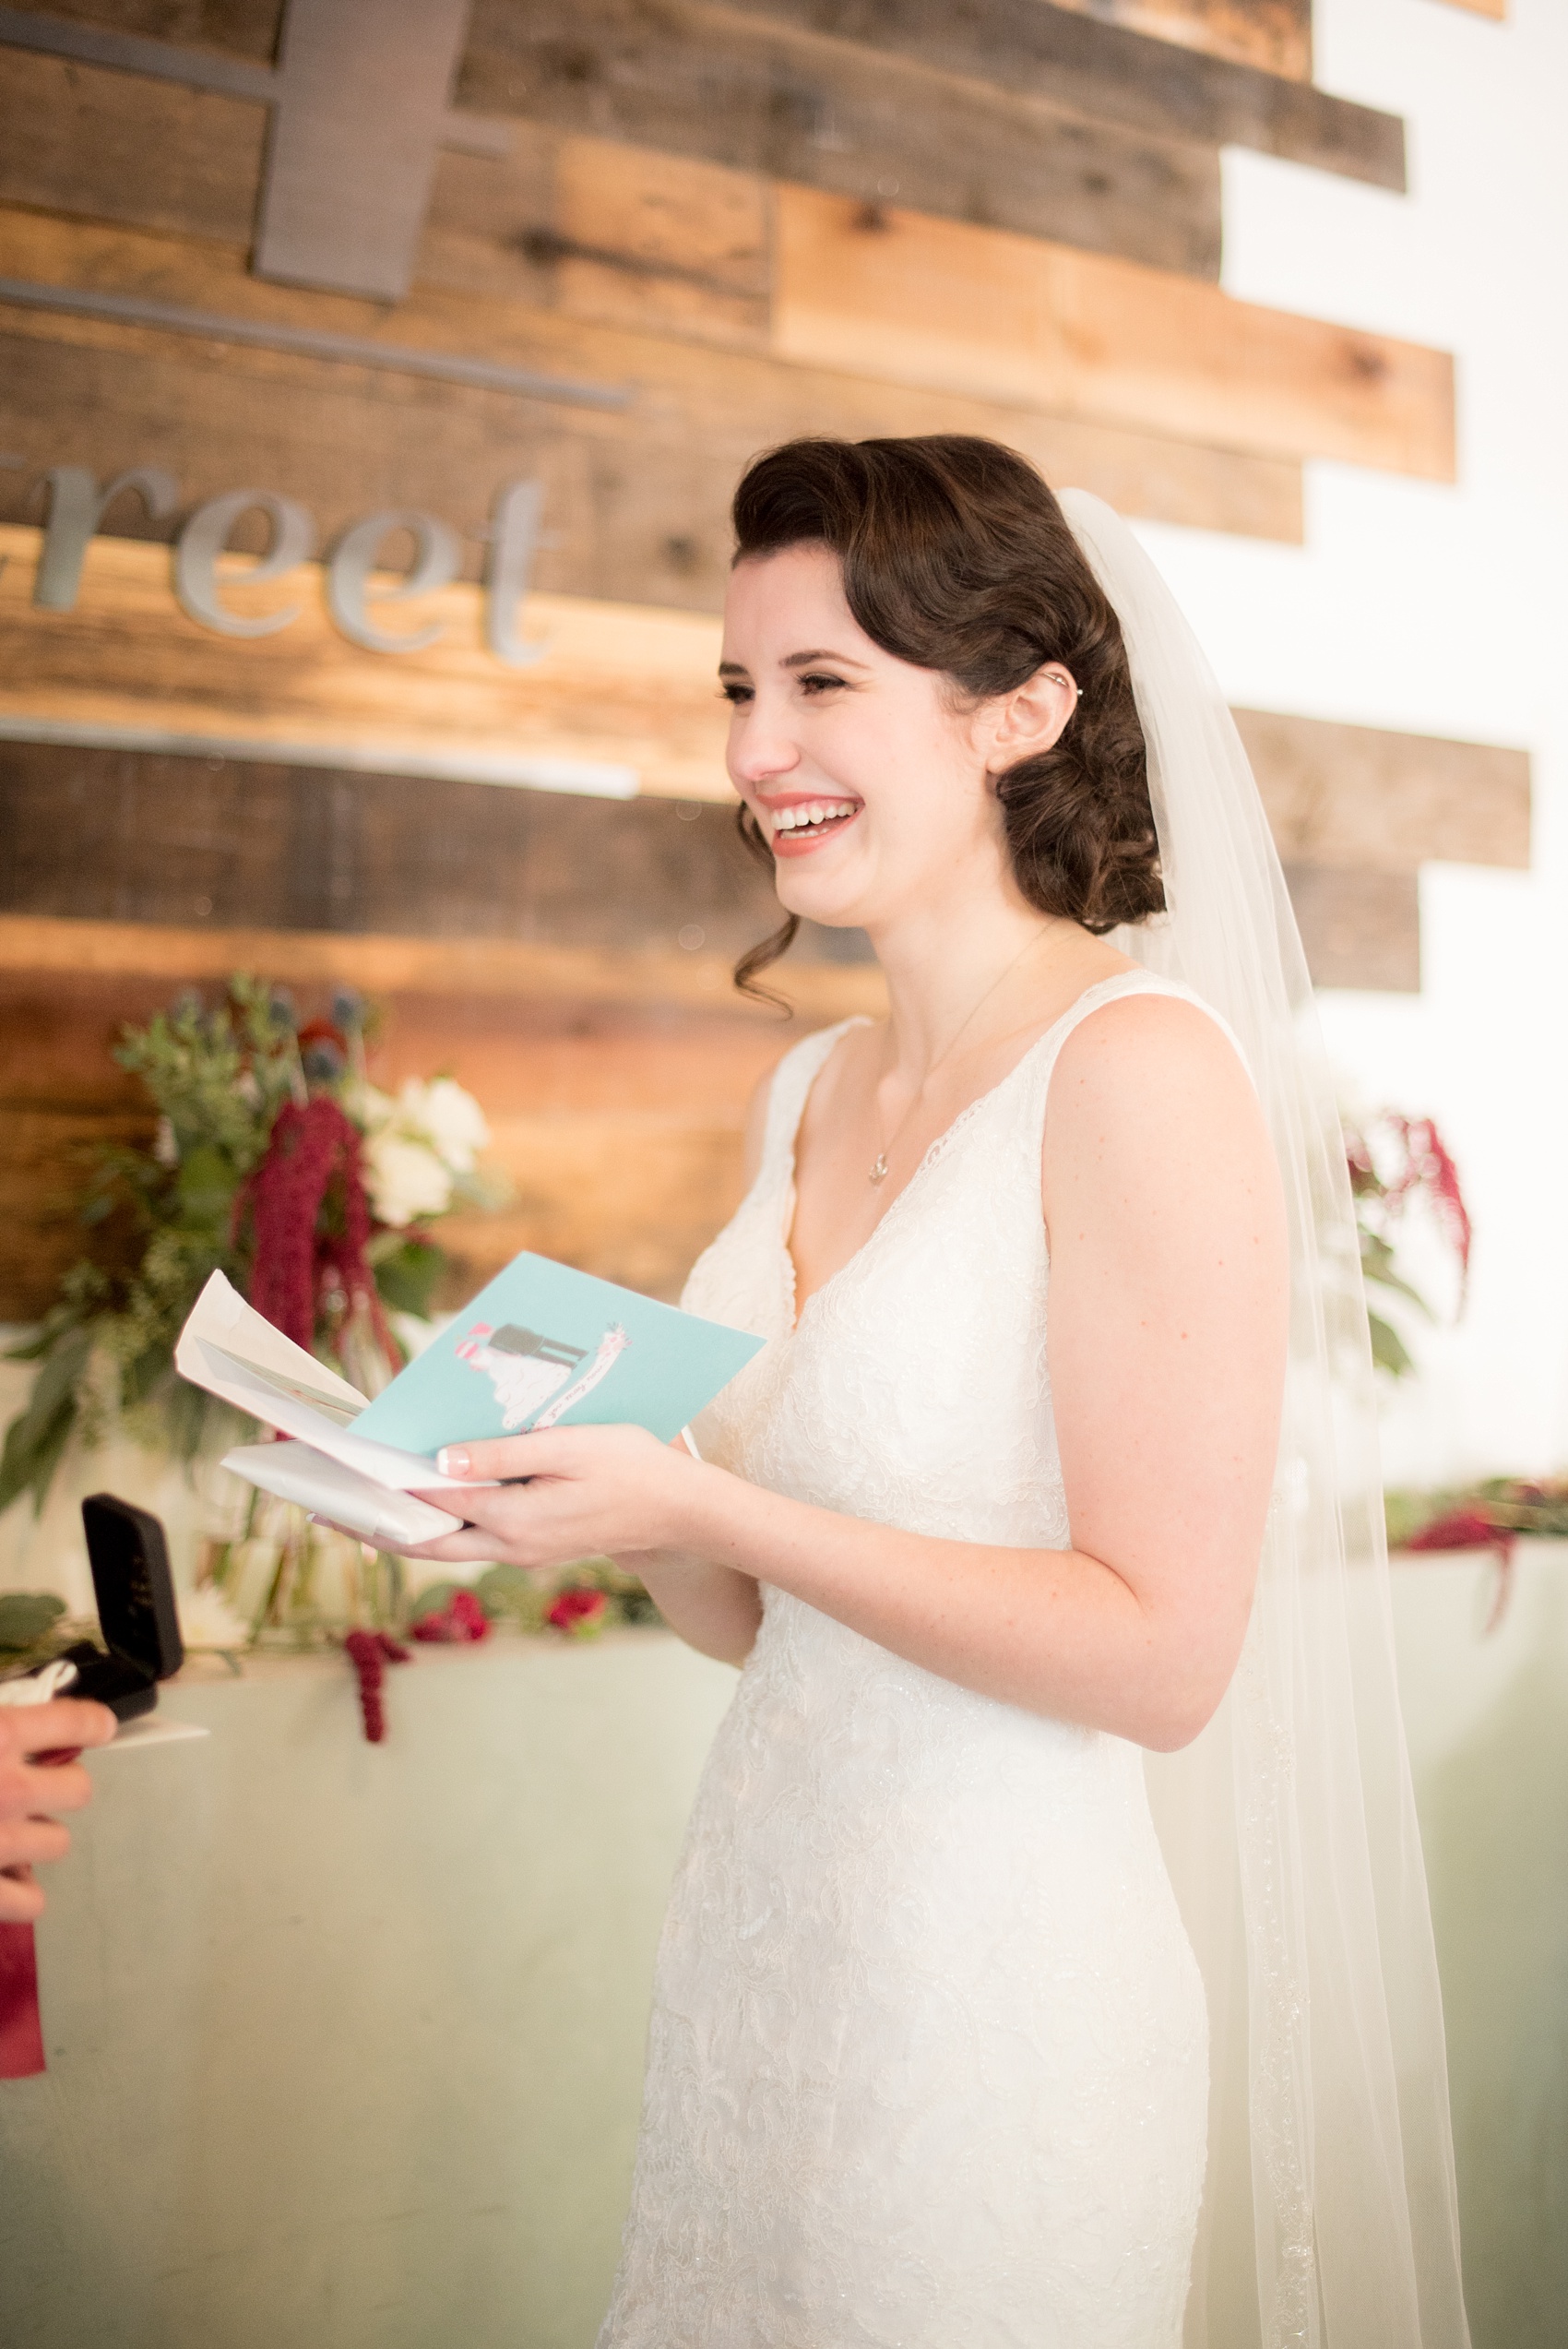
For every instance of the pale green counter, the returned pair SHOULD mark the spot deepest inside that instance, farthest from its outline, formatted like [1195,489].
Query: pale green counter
[346,2042]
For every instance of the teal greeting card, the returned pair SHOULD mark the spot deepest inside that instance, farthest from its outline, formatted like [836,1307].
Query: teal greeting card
[543,1346]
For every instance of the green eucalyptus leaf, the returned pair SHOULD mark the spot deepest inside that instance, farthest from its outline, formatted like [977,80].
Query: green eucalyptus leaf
[506,1589]
[407,1275]
[434,1598]
[29,1349]
[1389,1351]
[34,1443]
[207,1181]
[27,1617]
[38,1436]
[1386,1278]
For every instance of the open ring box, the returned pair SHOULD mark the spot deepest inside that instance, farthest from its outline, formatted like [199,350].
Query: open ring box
[137,1614]
[136,1609]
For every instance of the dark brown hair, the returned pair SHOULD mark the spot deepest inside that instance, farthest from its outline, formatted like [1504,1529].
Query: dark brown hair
[956,557]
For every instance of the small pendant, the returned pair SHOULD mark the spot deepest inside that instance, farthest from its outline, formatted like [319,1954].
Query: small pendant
[878,1168]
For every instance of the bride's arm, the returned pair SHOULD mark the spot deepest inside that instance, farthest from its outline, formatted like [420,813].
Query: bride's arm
[1167,1338]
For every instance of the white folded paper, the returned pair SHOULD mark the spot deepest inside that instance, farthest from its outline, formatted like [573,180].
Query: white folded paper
[229,1349]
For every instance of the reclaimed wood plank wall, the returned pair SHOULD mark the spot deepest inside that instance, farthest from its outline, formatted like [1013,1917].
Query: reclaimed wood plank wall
[739,220]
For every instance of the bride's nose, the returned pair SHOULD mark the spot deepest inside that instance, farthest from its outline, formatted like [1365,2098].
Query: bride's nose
[760,747]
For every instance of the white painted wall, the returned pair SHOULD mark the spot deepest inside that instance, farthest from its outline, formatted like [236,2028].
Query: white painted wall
[1444,611]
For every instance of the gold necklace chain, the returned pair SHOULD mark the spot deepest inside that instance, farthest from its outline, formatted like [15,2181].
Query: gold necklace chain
[877,1171]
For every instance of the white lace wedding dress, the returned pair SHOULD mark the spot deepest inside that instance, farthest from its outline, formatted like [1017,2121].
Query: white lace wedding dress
[928,2062]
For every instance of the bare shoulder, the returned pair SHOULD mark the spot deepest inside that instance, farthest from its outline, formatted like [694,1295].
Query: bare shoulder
[1142,1047]
[1150,1093]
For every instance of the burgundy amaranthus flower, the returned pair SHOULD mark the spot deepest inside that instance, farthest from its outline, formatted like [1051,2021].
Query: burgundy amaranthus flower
[1429,1168]
[311,1146]
[370,1652]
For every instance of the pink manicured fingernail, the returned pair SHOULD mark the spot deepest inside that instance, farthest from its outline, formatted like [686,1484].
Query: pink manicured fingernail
[451,1460]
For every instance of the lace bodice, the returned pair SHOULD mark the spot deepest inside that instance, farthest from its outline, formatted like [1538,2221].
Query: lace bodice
[927,2064]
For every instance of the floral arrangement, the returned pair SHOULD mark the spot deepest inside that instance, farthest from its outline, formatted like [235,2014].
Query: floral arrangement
[1490,1515]
[583,1601]
[274,1161]
[590,1596]
[1396,1161]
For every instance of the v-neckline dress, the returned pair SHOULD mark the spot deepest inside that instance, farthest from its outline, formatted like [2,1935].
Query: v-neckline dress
[928,2057]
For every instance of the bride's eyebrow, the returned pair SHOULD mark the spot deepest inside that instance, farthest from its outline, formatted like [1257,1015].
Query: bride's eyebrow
[798,661]
[804,660]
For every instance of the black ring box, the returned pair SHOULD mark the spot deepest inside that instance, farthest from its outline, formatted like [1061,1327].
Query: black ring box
[136,1609]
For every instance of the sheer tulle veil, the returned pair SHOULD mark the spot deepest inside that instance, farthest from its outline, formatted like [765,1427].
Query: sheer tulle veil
[1289,1827]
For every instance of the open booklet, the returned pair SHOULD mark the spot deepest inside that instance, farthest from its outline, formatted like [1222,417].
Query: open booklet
[540,1346]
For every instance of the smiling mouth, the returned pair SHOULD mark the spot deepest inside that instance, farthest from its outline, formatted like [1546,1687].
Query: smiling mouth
[811,820]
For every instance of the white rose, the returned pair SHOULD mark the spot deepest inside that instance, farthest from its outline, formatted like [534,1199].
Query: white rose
[451,1118]
[207,1619]
[405,1179]
[370,1108]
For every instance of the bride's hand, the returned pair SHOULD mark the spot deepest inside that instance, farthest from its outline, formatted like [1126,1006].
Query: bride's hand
[591,1492]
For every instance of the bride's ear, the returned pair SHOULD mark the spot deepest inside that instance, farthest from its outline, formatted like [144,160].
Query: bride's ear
[1032,718]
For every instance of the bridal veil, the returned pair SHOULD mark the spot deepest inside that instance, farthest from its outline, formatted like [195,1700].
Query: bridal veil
[1289,1827]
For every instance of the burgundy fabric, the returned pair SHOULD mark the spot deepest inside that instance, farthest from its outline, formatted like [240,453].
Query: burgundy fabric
[21,2034]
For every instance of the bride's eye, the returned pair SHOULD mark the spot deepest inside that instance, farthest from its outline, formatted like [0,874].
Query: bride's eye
[736,695]
[817,681]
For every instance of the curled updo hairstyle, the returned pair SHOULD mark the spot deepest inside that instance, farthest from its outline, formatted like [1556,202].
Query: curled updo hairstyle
[956,557]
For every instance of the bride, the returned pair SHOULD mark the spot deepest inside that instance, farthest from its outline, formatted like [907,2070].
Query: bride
[1049,1963]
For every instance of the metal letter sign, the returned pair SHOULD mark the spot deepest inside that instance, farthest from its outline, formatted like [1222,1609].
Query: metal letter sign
[363,94]
[359,108]
[436,555]
[77,505]
[513,535]
[204,539]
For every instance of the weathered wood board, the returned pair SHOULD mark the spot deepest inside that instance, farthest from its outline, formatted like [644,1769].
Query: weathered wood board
[115,836]
[619,684]
[979,311]
[1359,929]
[1274,34]
[1363,798]
[108,145]
[1037,329]
[855,119]
[503,968]
[592,58]
[617,1125]
[239,28]
[641,497]
[123,146]
[634,513]
[1100,69]
[622,686]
